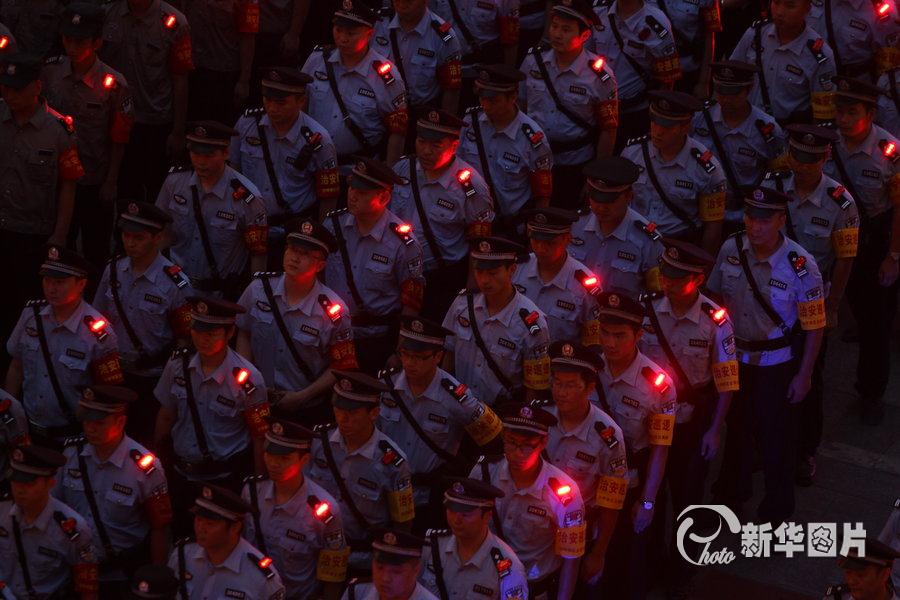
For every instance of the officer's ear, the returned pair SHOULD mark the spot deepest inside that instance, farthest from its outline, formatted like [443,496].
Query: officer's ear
[512,269]
[384,197]
[374,412]
[230,331]
[96,44]
[629,195]
[80,284]
[304,458]
[638,333]
[584,35]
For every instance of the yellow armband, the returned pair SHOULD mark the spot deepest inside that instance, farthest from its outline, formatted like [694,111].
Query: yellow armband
[845,241]
[485,426]
[537,373]
[712,206]
[401,505]
[570,541]
[651,280]
[332,565]
[611,492]
[662,427]
[725,374]
[823,106]
[811,314]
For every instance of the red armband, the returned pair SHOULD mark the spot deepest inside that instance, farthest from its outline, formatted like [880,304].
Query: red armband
[69,165]
[84,575]
[181,61]
[412,291]
[255,238]
[667,69]
[158,508]
[120,130]
[180,321]
[607,115]
[257,419]
[450,75]
[328,184]
[712,17]
[478,229]
[247,16]
[509,30]
[343,356]
[107,370]
[541,183]
[397,121]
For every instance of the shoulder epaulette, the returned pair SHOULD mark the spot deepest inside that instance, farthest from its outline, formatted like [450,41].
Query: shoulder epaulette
[389,371]
[75,440]
[68,123]
[773,175]
[538,50]
[838,194]
[606,433]
[817,47]
[179,352]
[457,390]
[473,110]
[263,563]
[535,138]
[54,59]
[489,458]
[337,212]
[716,314]
[240,192]
[390,455]
[184,541]
[31,303]
[709,103]
[836,591]
[542,402]
[760,23]
[403,231]
[704,159]
[501,563]
[177,276]
[889,150]
[255,112]
[530,319]
[465,292]
[798,263]
[68,525]
[603,3]
[767,130]
[323,427]
[444,30]
[649,229]
[265,274]
[323,48]
[658,28]
[650,296]
[180,168]
[637,140]
[437,533]
[254,478]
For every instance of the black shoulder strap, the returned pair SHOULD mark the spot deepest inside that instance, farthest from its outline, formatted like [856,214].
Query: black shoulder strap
[660,190]
[754,287]
[895,96]
[254,503]
[667,348]
[285,334]
[763,86]
[720,149]
[345,261]
[423,216]
[204,235]
[48,362]
[23,559]
[539,61]
[848,183]
[339,480]
[395,50]
[486,478]
[395,395]
[485,164]
[182,572]
[354,129]
[832,40]
[192,408]
[788,219]
[92,503]
[479,342]
[461,26]
[438,566]
[120,308]
[270,167]
[640,70]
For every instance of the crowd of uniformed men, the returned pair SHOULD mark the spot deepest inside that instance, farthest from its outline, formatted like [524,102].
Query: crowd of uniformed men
[236,232]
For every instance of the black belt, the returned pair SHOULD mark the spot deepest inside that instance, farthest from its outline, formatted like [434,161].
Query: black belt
[762,345]
[367,319]
[213,469]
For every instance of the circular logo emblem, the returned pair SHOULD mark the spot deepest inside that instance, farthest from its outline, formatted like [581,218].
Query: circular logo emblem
[844,84]
[664,104]
[540,218]
[389,538]
[758,195]
[53,253]
[613,300]
[346,385]
[458,488]
[144,587]
[361,167]
[347,5]
[133,209]
[277,428]
[484,246]
[726,73]
[434,117]
[525,412]
[201,131]
[18,456]
[207,493]
[672,252]
[201,308]
[484,76]
[568,351]
[306,228]
[11,70]
[274,75]
[87,394]
[418,326]
[809,139]
[76,19]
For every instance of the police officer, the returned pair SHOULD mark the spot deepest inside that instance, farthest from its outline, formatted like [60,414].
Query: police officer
[42,166]
[635,36]
[49,546]
[447,200]
[507,146]
[360,466]
[541,513]
[59,343]
[795,65]
[219,216]
[822,218]
[295,328]
[224,38]
[427,411]
[641,399]
[220,563]
[857,34]
[13,430]
[694,26]
[36,25]
[572,94]
[118,486]
[293,519]
[156,582]
[888,114]
[212,404]
[289,156]
[149,42]
[489,31]
[681,186]
[378,265]
[560,286]
[490,567]
[426,50]
[867,576]
[145,296]
[98,99]
[588,446]
[499,328]
[8,45]
[619,245]
[356,92]
[864,160]
[396,563]
[744,139]
[779,320]
[691,337]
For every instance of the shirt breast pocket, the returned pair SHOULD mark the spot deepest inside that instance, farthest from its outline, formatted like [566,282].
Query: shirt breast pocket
[424,62]
[120,505]
[224,406]
[626,264]
[503,354]
[629,418]
[377,276]
[732,279]
[295,552]
[782,301]
[40,166]
[75,359]
[363,102]
[224,232]
[152,304]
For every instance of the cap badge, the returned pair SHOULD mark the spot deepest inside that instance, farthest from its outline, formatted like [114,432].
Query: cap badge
[434,117]
[207,493]
[201,308]
[418,326]
[672,252]
[144,587]
[484,246]
[201,131]
[758,195]
[277,428]
[389,538]
[76,19]
[11,70]
[18,455]
[484,75]
[306,228]
[346,385]
[347,5]
[361,167]
[613,300]
[540,218]
[726,73]
[664,104]
[458,488]
[568,351]
[133,209]
[525,412]
[53,253]
[809,139]
[87,394]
